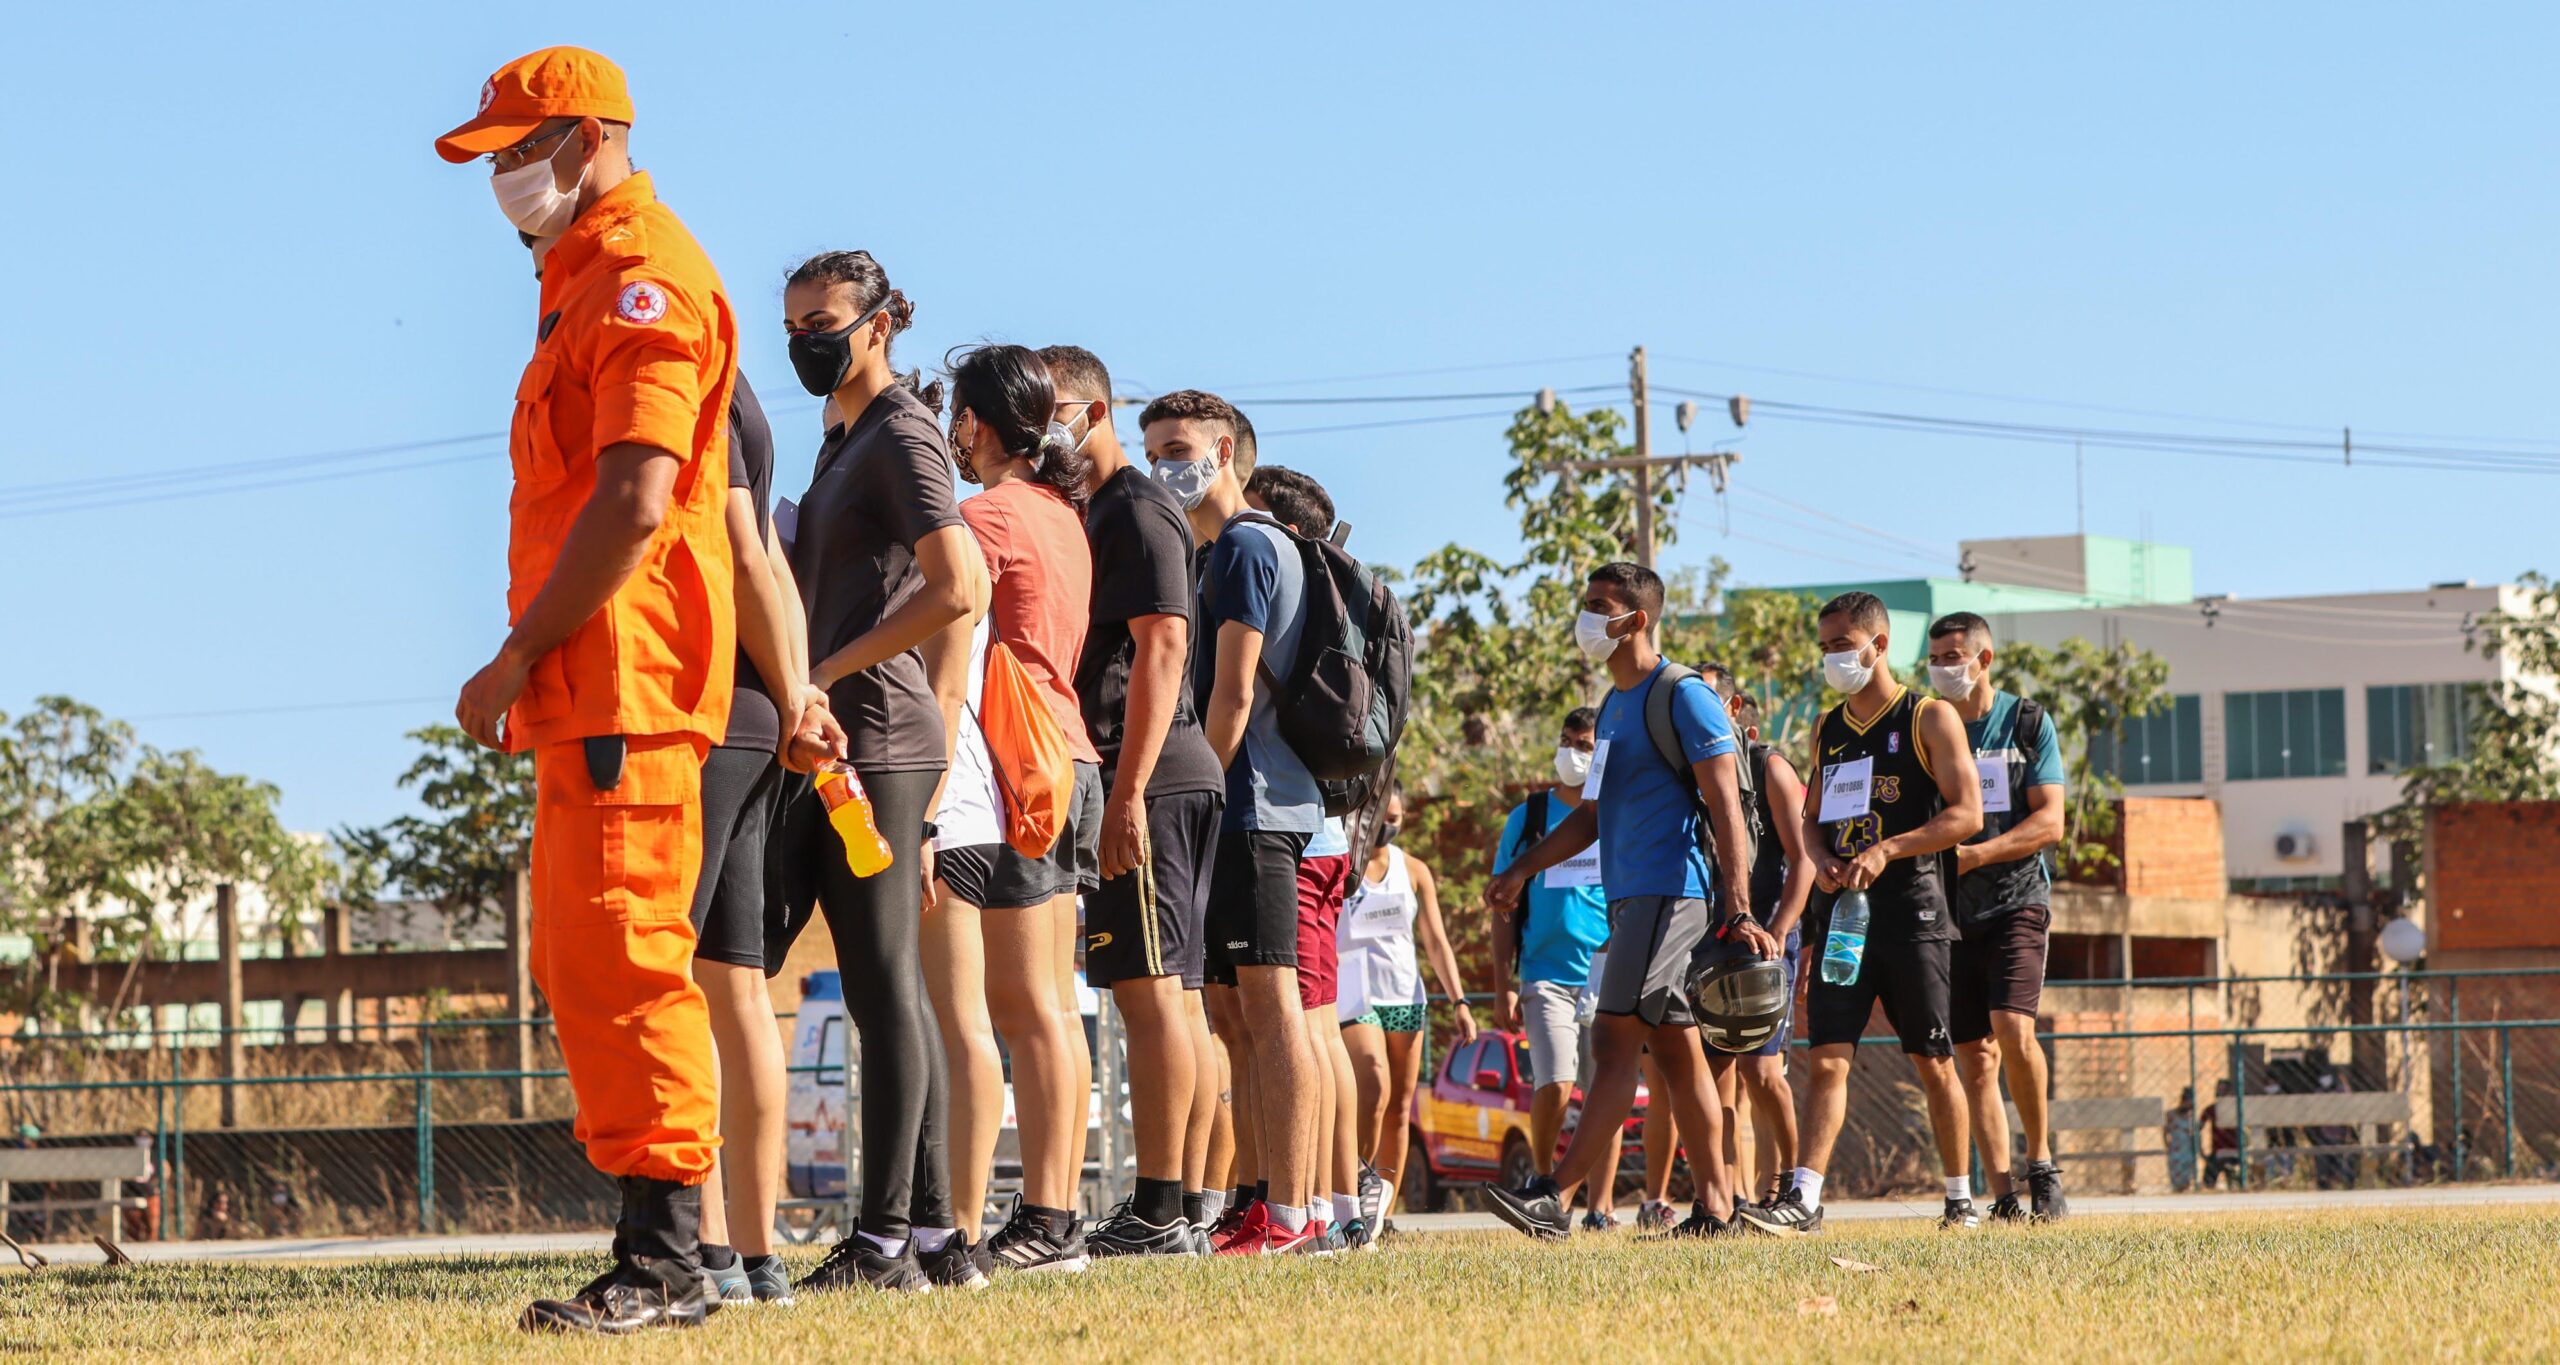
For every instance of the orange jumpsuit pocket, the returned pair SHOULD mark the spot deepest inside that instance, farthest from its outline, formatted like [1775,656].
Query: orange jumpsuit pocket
[627,854]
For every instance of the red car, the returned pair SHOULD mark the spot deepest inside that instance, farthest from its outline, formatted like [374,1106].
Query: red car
[1471,1123]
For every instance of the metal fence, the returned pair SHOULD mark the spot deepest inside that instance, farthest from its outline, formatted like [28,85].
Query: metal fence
[460,1125]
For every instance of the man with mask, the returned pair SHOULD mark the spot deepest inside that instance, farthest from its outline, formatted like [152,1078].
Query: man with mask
[1655,869]
[1894,790]
[1159,823]
[1546,943]
[616,673]
[2003,900]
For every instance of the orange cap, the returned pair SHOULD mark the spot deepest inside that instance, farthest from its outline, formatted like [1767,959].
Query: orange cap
[557,82]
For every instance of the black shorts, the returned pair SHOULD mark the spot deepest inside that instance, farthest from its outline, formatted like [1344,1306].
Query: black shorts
[995,877]
[741,788]
[1148,923]
[1253,902]
[1999,965]
[1911,979]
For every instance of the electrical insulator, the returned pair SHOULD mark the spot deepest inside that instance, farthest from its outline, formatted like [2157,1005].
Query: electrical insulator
[1740,407]
[1546,402]
[1686,413]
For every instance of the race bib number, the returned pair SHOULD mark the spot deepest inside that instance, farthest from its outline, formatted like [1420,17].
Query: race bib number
[1844,789]
[1582,869]
[1995,783]
[1599,765]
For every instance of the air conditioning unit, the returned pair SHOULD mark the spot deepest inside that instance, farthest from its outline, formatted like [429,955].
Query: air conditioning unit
[2295,844]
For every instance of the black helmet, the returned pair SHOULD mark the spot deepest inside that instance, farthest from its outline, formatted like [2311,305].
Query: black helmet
[1741,1002]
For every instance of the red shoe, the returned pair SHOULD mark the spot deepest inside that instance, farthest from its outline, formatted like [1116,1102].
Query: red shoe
[1245,1237]
[1279,1241]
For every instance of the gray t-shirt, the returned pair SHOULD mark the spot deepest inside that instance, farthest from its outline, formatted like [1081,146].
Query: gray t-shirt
[1253,576]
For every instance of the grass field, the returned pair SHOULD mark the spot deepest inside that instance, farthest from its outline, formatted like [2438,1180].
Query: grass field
[2384,1285]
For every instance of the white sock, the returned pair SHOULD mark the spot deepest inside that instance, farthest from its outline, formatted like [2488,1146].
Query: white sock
[1213,1203]
[1289,1216]
[889,1246]
[1959,1187]
[931,1240]
[1809,1184]
[1345,1208]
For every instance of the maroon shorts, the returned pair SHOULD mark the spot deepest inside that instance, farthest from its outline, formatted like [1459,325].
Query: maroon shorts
[1322,884]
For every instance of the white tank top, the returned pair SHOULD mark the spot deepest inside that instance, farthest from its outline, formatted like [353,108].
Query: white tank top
[967,816]
[1375,936]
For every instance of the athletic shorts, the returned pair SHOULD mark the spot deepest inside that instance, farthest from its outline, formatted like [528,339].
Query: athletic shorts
[1399,1018]
[1911,981]
[1147,923]
[1651,939]
[1714,951]
[1550,1013]
[1323,883]
[1998,966]
[741,789]
[994,877]
[1073,863]
[1253,902]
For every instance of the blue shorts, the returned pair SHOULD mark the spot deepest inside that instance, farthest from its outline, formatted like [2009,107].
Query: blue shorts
[1712,952]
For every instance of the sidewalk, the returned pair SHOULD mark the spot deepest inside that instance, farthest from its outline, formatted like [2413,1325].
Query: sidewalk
[596,1243]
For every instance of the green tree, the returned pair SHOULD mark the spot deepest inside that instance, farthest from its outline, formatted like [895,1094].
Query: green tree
[463,854]
[2087,691]
[2508,754]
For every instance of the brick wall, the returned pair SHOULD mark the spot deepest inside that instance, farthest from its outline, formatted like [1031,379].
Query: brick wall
[2166,846]
[2493,875]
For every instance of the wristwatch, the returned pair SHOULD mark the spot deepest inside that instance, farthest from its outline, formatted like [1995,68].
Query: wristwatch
[932,830]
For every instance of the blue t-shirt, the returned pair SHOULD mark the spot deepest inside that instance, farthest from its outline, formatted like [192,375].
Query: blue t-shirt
[1253,576]
[1648,818]
[1566,923]
[1995,737]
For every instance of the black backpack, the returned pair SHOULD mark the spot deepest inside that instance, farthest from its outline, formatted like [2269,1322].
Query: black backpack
[1342,707]
[1666,742]
[1533,827]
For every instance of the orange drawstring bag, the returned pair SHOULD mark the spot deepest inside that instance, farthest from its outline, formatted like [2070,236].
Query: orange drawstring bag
[1035,770]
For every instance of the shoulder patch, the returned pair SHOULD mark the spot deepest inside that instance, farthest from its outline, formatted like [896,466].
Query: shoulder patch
[641,301]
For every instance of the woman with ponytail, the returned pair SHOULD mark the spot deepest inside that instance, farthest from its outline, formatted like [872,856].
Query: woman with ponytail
[1001,934]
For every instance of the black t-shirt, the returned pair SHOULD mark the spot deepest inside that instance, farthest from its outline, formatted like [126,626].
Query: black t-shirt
[882,483]
[754,721]
[1141,567]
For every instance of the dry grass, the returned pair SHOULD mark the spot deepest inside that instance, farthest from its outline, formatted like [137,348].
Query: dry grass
[2382,1285]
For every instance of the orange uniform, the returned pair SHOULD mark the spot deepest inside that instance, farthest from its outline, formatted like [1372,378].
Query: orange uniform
[636,345]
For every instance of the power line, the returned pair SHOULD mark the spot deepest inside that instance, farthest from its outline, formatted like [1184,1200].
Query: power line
[1351,399]
[1393,422]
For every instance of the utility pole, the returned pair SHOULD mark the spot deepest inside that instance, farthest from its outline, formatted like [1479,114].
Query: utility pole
[1644,462]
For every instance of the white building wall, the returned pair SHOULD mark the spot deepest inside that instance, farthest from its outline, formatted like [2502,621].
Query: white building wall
[2349,642]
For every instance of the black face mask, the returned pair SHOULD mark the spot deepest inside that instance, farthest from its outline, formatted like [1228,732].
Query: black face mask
[1387,834]
[821,358]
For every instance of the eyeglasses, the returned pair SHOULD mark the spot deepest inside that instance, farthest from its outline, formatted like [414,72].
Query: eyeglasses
[515,156]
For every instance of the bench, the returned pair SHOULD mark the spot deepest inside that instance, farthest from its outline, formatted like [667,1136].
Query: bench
[2124,1115]
[2368,1111]
[109,1166]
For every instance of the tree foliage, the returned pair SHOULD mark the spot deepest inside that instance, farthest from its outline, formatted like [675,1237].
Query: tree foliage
[2087,691]
[462,855]
[2508,754]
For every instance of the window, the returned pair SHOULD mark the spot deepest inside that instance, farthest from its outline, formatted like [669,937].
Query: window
[1462,1063]
[2284,734]
[2423,723]
[2166,746]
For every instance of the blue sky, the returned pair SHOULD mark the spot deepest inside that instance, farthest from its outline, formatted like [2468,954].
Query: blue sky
[235,244]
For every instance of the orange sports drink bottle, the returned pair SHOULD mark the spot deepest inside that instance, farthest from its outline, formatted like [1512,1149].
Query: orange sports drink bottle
[849,810]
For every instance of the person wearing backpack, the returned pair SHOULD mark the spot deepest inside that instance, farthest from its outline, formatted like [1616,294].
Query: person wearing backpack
[1646,810]
[1252,615]
[2003,899]
[1542,951]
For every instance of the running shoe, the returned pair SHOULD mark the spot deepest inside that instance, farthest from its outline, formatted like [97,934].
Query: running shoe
[730,1285]
[1025,1243]
[1656,1216]
[2044,1193]
[961,1264]
[1373,1195]
[767,1279]
[1700,1223]
[1357,1237]
[1785,1216]
[1593,1220]
[1279,1241]
[2006,1209]
[855,1263]
[1959,1215]
[1230,1225]
[1124,1233]
[1533,1208]
[1326,1239]
[637,1293]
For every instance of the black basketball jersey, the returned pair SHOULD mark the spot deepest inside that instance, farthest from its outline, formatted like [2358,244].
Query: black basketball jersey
[1909,901]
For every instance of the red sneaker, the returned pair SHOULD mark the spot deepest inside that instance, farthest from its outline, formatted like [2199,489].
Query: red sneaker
[1279,1241]
[1245,1237]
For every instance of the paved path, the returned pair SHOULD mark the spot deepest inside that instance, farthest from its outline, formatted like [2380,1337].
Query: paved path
[514,1244]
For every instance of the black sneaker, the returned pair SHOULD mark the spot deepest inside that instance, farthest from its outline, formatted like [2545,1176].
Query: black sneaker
[1593,1220]
[2006,1209]
[854,1263]
[768,1279]
[1025,1243]
[638,1293]
[1700,1223]
[1533,1208]
[1655,1216]
[1959,1215]
[1372,1195]
[1124,1233]
[1357,1237]
[1785,1216]
[2044,1193]
[961,1264]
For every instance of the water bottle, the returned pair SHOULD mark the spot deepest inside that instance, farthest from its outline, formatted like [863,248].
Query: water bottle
[849,810]
[1847,944]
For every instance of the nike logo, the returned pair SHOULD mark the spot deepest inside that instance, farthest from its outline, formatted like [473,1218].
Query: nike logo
[1101,940]
[1836,751]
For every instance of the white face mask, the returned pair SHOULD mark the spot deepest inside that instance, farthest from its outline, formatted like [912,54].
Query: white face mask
[1951,681]
[532,199]
[1573,766]
[1188,480]
[1847,673]
[1591,632]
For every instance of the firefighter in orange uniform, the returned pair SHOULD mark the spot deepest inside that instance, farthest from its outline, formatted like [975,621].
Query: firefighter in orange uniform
[616,673]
